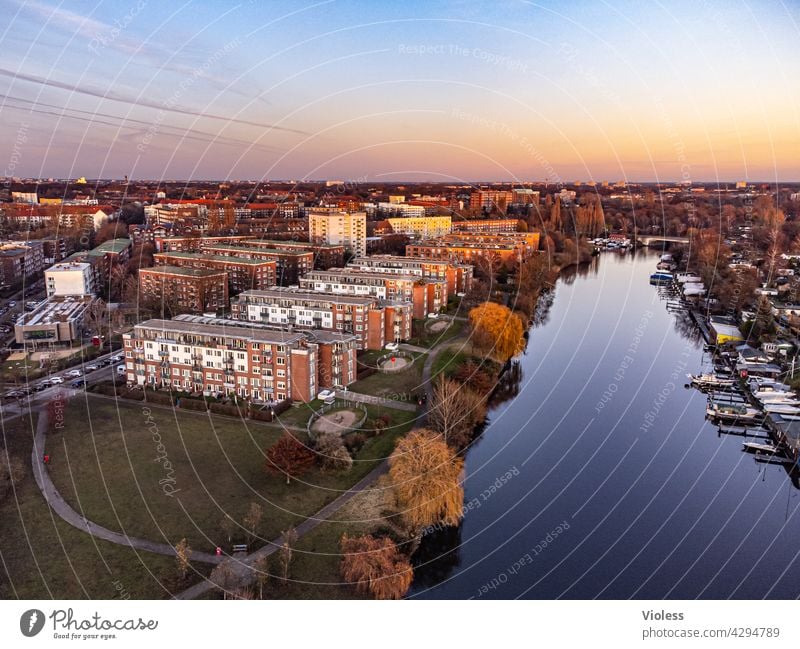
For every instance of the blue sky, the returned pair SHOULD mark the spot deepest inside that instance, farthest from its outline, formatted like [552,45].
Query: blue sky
[698,90]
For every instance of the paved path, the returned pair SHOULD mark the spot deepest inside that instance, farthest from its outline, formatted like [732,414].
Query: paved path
[413,348]
[358,397]
[240,567]
[69,515]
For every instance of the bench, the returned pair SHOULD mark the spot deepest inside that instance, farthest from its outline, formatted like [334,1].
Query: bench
[241,547]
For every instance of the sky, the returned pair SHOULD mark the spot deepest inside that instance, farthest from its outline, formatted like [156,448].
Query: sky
[450,91]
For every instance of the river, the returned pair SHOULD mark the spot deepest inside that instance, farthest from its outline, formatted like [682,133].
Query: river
[602,479]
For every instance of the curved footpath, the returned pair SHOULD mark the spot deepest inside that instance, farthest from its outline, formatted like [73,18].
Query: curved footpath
[241,567]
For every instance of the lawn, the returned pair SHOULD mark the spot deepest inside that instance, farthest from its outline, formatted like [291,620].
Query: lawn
[428,339]
[105,464]
[394,385]
[42,557]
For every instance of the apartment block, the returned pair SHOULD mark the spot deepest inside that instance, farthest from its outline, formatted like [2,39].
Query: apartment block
[427,295]
[423,227]
[333,226]
[458,276]
[19,261]
[489,200]
[226,358]
[326,255]
[484,226]
[365,318]
[195,244]
[290,265]
[70,278]
[469,248]
[243,274]
[193,289]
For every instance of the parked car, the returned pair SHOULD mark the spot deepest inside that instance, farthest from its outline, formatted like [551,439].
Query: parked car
[327,396]
[56,380]
[91,368]
[433,315]
[78,384]
[12,304]
[392,347]
[121,369]
[74,373]
[117,358]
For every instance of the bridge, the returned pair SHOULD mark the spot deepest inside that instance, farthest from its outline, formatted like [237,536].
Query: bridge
[649,239]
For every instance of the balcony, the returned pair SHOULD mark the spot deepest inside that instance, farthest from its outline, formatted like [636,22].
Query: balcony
[163,352]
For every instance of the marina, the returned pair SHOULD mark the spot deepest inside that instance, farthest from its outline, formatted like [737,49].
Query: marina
[660,500]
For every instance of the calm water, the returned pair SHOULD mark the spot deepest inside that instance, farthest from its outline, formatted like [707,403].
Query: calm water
[602,478]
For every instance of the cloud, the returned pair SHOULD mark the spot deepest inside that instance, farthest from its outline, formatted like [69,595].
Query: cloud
[134,101]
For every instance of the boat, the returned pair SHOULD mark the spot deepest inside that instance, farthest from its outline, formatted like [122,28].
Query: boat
[732,413]
[758,447]
[766,396]
[666,265]
[708,381]
[781,409]
[661,278]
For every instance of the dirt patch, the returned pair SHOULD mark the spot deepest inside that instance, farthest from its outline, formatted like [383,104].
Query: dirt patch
[398,364]
[339,421]
[438,326]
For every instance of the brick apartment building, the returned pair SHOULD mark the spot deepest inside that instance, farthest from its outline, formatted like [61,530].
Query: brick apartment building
[253,362]
[193,289]
[290,265]
[325,255]
[195,244]
[19,261]
[468,248]
[243,274]
[427,295]
[458,276]
[372,321]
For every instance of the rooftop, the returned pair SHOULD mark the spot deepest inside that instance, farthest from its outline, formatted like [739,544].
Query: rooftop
[220,328]
[253,250]
[228,259]
[181,270]
[302,294]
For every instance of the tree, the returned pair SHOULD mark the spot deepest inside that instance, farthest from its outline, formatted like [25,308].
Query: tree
[424,472]
[285,553]
[228,526]
[375,567]
[97,317]
[252,519]
[289,457]
[183,553]
[455,410]
[261,568]
[224,577]
[497,331]
[332,454]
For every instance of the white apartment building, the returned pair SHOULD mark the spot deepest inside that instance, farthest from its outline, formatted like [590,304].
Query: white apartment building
[69,278]
[348,229]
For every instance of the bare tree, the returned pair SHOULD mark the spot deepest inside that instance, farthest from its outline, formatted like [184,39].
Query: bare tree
[183,554]
[252,519]
[285,556]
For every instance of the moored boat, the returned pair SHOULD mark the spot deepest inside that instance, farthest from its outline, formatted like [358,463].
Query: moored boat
[661,278]
[732,413]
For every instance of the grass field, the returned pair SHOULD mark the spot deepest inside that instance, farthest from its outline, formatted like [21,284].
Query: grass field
[42,557]
[105,465]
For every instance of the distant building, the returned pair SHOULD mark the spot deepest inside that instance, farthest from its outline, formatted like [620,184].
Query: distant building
[490,200]
[193,289]
[491,226]
[524,196]
[290,265]
[19,261]
[424,227]
[458,276]
[243,274]
[332,226]
[70,278]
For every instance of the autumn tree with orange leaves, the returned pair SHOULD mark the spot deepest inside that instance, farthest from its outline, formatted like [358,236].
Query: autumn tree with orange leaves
[496,331]
[289,457]
[375,567]
[425,477]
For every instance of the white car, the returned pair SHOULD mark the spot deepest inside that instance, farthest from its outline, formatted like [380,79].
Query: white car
[121,369]
[327,396]
[56,380]
[116,359]
[74,373]
[392,347]
[91,368]
[433,315]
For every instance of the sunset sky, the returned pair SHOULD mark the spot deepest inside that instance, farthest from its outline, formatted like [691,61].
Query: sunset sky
[450,91]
